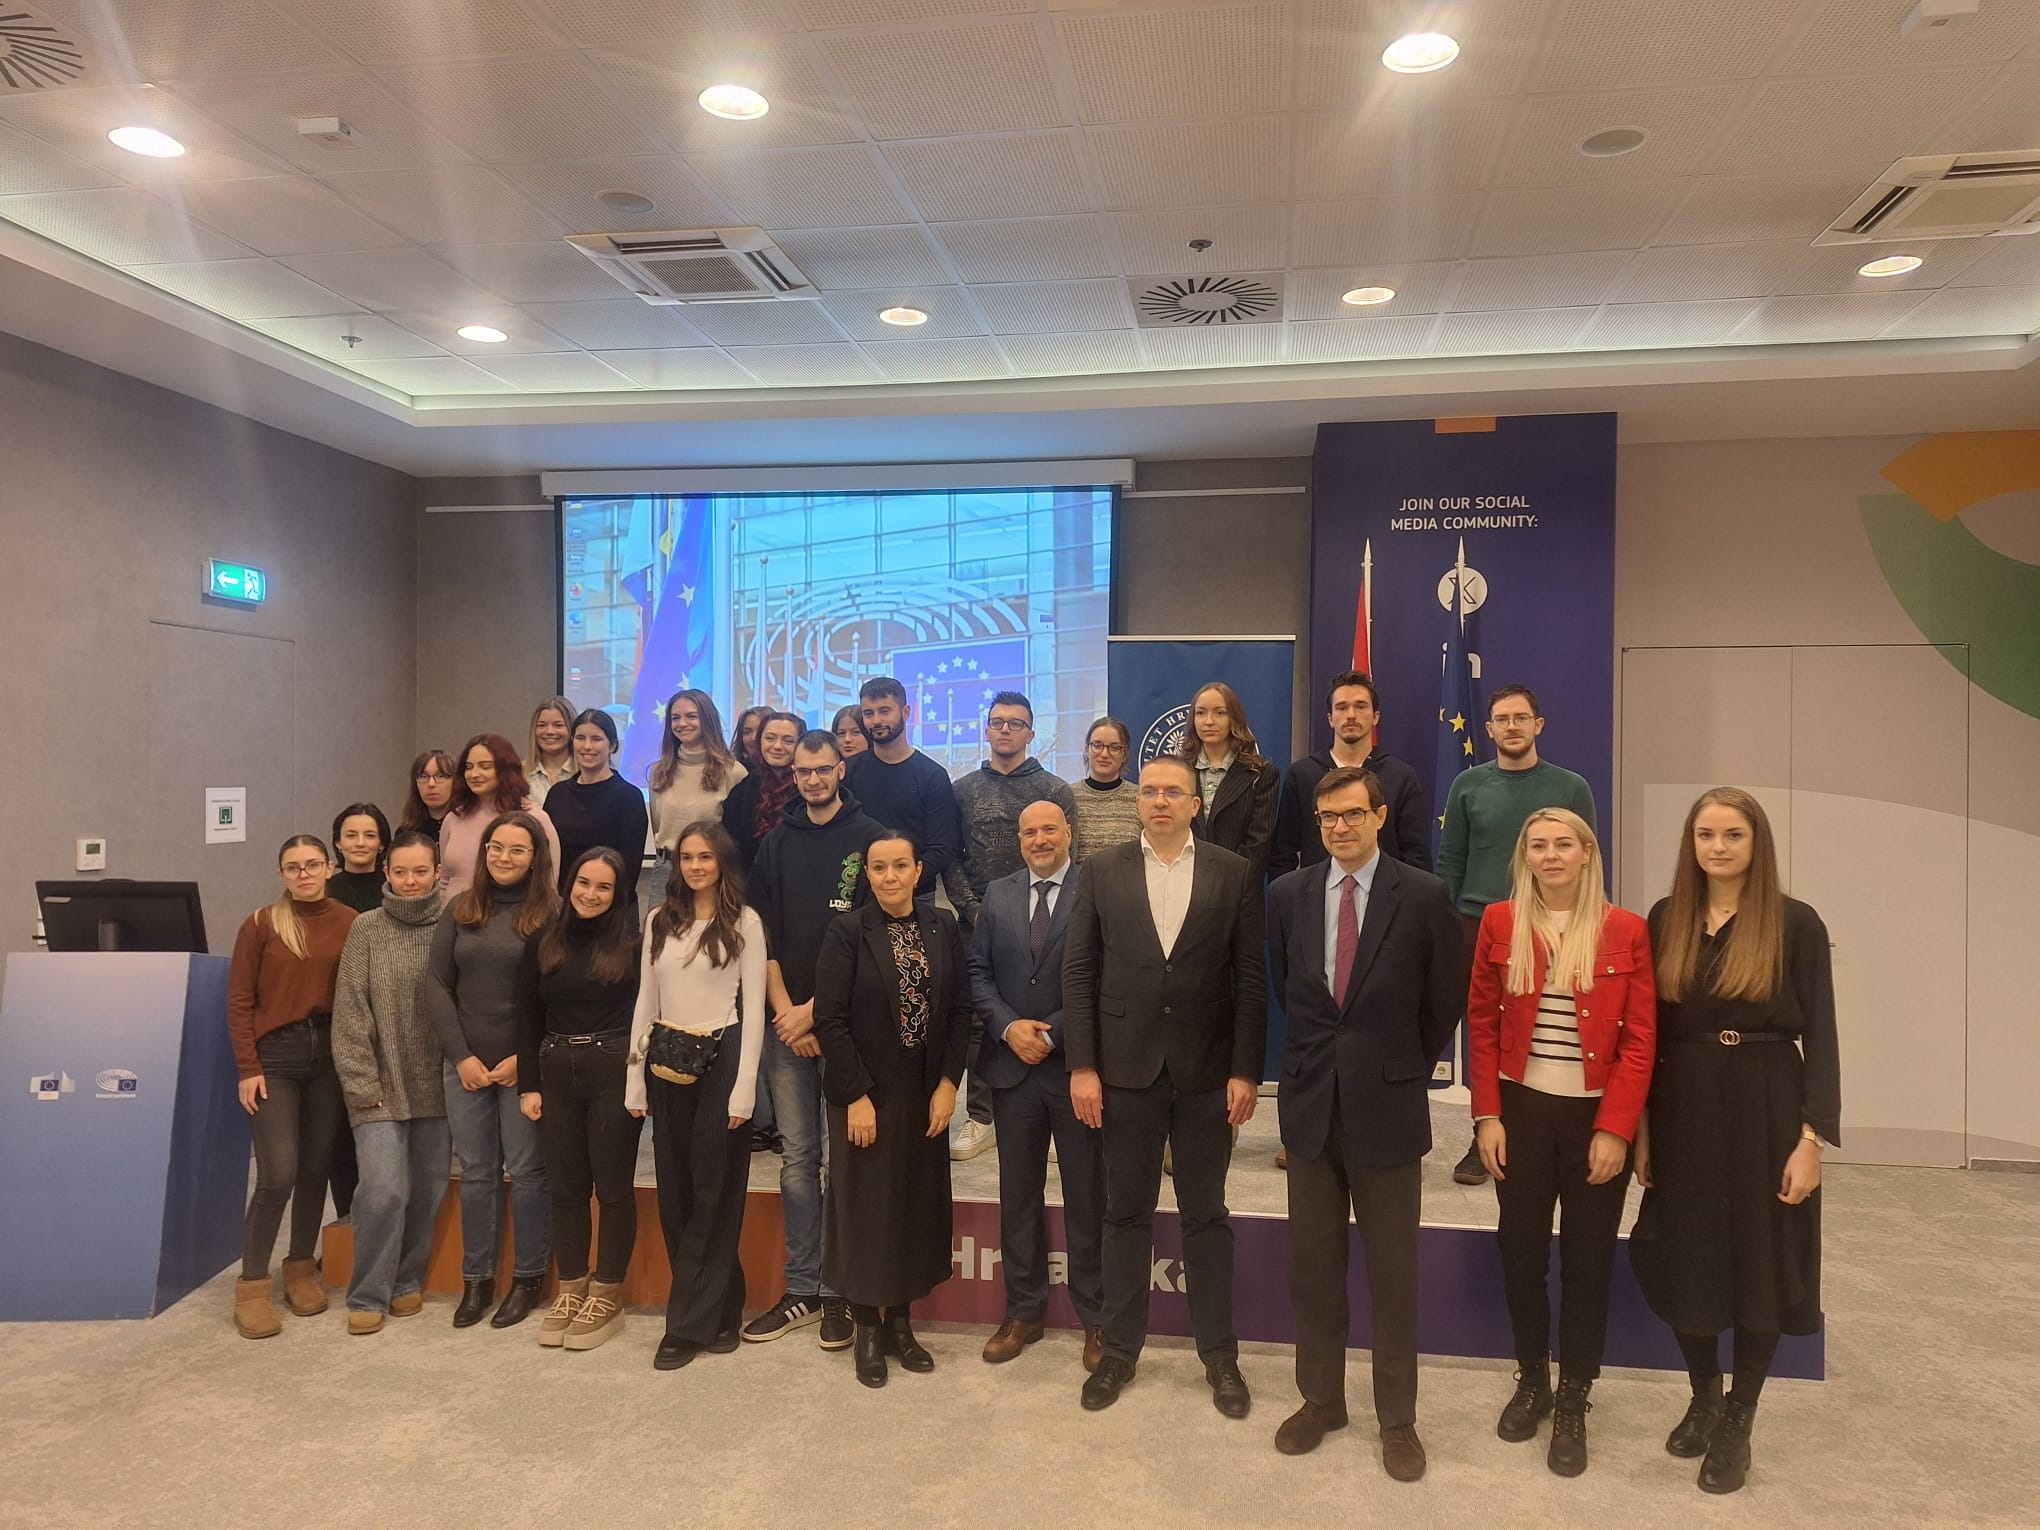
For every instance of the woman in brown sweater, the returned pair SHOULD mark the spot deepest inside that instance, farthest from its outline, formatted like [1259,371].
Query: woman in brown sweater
[279,1013]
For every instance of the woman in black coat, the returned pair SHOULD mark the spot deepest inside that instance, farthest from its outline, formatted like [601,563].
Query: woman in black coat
[1238,786]
[893,1016]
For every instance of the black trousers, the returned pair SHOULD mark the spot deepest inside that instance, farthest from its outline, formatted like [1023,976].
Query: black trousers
[293,1130]
[1547,1168]
[703,1168]
[345,1175]
[591,1146]
[1028,1116]
[1385,1203]
[1138,1124]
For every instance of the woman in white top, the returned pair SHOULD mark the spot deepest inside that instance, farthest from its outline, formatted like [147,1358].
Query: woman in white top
[552,746]
[695,1044]
[694,771]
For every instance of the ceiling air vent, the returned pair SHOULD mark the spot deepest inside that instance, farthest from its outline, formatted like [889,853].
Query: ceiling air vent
[1946,196]
[34,54]
[1180,302]
[701,265]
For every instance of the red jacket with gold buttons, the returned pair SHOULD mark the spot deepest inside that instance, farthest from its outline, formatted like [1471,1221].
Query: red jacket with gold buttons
[1617,1017]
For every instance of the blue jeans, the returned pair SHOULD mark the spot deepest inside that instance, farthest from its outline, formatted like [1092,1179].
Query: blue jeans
[403,1180]
[492,1138]
[796,1087]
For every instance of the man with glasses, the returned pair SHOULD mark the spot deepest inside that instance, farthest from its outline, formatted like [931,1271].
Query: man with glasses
[1483,815]
[1165,1015]
[991,800]
[1365,956]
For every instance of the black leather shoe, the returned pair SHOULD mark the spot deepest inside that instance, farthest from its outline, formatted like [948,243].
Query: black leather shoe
[835,1330]
[1305,1429]
[728,1342]
[900,1340]
[1568,1453]
[524,1293]
[673,1353]
[869,1347]
[1470,1170]
[1228,1388]
[1103,1386]
[1691,1436]
[1728,1458]
[475,1297]
[1527,1409]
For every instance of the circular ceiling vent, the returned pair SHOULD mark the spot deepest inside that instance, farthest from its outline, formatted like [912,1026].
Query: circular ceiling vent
[1209,300]
[34,55]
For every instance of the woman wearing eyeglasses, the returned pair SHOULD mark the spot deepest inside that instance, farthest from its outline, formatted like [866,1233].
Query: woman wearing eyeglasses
[1238,786]
[758,802]
[431,796]
[279,1014]
[1107,800]
[491,783]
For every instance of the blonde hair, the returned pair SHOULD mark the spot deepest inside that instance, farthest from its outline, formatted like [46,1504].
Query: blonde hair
[1571,949]
[283,913]
[565,708]
[1752,961]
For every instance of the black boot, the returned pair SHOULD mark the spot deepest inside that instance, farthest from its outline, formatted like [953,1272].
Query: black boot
[1695,1432]
[899,1338]
[475,1296]
[1568,1453]
[869,1354]
[524,1291]
[1728,1457]
[1532,1401]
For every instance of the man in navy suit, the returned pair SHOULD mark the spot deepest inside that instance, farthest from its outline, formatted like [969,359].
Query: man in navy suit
[1366,953]
[1016,965]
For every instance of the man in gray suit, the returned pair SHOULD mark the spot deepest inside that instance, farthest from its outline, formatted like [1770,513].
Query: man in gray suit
[1016,963]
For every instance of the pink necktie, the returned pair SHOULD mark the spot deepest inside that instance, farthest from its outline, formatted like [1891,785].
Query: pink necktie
[1349,939]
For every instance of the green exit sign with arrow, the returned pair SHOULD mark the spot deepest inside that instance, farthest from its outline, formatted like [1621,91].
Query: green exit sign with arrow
[236,582]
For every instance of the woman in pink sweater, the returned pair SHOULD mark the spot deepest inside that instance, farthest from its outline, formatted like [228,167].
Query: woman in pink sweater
[491,782]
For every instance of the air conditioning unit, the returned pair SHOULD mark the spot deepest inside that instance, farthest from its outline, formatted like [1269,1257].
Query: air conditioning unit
[1945,196]
[700,265]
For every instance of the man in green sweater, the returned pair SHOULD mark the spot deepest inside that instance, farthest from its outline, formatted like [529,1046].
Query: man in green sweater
[1483,815]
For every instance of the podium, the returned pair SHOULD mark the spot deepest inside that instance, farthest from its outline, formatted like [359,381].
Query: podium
[123,1145]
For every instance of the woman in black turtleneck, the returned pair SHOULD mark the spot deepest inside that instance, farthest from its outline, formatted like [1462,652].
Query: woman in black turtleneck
[361,838]
[597,807]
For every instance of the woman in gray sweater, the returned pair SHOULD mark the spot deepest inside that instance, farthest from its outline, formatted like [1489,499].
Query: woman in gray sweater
[388,1059]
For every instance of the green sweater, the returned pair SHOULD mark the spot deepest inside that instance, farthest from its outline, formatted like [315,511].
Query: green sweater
[1483,816]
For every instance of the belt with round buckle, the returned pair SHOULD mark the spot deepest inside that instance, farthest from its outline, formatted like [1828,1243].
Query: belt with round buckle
[1731,1038]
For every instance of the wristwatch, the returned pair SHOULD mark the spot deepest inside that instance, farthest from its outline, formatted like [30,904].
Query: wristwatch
[1808,1134]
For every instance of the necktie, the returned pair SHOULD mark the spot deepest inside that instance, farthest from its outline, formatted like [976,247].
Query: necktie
[1037,927]
[1349,938]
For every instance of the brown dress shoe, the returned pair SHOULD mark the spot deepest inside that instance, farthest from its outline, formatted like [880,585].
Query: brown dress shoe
[1305,1429]
[1402,1453]
[1094,1347]
[1012,1337]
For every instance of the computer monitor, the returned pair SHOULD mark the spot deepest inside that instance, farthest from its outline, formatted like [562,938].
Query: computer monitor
[121,915]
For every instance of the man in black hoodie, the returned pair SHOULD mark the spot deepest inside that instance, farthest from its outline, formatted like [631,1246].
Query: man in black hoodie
[809,869]
[1353,705]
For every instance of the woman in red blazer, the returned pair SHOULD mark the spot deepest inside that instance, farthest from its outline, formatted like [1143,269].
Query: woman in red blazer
[1561,1026]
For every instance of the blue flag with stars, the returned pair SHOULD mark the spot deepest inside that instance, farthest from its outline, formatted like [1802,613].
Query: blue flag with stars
[1455,716]
[677,620]
[949,686]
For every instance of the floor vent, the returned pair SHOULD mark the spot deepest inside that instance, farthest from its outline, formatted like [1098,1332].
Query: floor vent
[703,265]
[1179,302]
[1945,196]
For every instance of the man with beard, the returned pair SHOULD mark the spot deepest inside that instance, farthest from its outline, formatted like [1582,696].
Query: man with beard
[1353,706]
[900,786]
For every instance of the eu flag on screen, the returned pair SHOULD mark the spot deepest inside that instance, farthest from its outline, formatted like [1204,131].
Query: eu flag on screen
[949,686]
[1455,715]
[678,622]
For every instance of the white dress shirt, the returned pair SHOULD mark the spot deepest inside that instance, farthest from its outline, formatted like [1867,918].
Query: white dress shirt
[1335,891]
[1168,889]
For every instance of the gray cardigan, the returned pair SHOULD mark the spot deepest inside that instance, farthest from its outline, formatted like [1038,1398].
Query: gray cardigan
[384,1047]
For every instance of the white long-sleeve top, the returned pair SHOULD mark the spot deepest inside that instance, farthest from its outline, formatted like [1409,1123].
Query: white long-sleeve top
[685,990]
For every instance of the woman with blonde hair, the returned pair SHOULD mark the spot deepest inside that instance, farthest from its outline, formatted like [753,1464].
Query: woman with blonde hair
[1747,1093]
[1560,1018]
[552,747]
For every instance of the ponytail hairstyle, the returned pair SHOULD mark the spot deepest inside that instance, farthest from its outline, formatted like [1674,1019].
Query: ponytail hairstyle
[1752,961]
[614,932]
[723,939]
[715,767]
[471,910]
[283,914]
[1571,951]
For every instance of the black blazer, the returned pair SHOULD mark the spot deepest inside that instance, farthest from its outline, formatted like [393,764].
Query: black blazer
[857,1006]
[1408,988]
[1241,817]
[1202,1010]
[1008,982]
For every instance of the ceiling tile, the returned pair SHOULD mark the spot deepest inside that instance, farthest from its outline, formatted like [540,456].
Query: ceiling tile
[1538,281]
[1619,44]
[1503,334]
[1050,308]
[1693,271]
[679,369]
[285,215]
[1549,219]
[825,15]
[377,339]
[1342,42]
[1658,326]
[526,336]
[939,360]
[28,164]
[450,204]
[941,80]
[627,23]
[1833,268]
[1073,355]
[265,112]
[433,376]
[1801,124]
[949,314]
[1020,176]
[77,121]
[1028,249]
[1358,339]
[517,109]
[245,289]
[1212,345]
[1856,316]
[663,87]
[404,31]
[392,280]
[836,187]
[764,323]
[552,272]
[806,366]
[865,257]
[567,190]
[122,226]
[1386,229]
[625,325]
[1973,311]
[565,372]
[1243,239]
[1678,124]
[195,39]
[1732,208]
[1418,290]
[2004,260]
[1444,146]
[2007,116]
[1842,38]
[1144,65]
[1191,164]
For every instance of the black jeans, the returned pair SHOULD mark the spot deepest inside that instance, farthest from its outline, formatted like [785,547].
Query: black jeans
[293,1130]
[591,1146]
[704,1169]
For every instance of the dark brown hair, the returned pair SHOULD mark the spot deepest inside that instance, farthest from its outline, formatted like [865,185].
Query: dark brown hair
[614,932]
[724,937]
[713,744]
[511,786]
[1346,677]
[1340,777]
[471,910]
[1752,960]
[416,814]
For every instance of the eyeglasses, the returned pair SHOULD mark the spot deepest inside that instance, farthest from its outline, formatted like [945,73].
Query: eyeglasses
[510,852]
[433,775]
[1352,818]
[1514,720]
[1008,725]
[1100,746]
[812,772]
[1162,794]
[302,868]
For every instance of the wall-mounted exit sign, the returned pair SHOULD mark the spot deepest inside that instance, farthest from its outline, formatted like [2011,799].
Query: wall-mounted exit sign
[235,581]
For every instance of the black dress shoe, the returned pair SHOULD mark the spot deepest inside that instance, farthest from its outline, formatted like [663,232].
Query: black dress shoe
[524,1294]
[1304,1430]
[1691,1436]
[868,1351]
[728,1342]
[1103,1386]
[1728,1458]
[475,1296]
[1528,1407]
[1228,1388]
[673,1353]
[1567,1455]
[1470,1170]
[900,1340]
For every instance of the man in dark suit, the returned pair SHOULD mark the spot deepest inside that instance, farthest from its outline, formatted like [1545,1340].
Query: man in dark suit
[1016,980]
[1367,957]
[1165,1009]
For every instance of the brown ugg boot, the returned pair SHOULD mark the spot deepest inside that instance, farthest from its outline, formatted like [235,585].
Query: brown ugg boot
[553,1332]
[301,1288]
[254,1313]
[599,1316]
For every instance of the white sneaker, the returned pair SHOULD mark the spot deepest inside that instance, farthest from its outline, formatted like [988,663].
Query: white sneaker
[971,1139]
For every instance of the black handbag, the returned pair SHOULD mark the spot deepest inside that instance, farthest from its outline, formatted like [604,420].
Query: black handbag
[681,1057]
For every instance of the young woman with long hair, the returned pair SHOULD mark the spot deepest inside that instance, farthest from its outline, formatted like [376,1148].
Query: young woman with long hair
[388,1060]
[279,1014]
[552,749]
[848,726]
[759,801]
[491,783]
[695,769]
[472,991]
[1748,1091]
[361,837]
[580,987]
[1107,799]
[597,807]
[694,1049]
[1561,1014]
[431,796]
[1239,786]
[744,736]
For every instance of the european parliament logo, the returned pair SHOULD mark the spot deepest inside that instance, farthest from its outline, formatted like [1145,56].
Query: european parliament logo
[49,1086]
[116,1084]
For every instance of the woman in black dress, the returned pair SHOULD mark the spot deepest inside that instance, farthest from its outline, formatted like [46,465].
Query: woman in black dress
[892,1014]
[1746,1094]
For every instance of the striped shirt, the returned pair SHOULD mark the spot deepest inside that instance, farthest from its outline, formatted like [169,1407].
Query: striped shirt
[1555,1064]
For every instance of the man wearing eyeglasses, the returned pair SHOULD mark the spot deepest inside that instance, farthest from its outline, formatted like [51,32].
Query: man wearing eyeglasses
[1165,1015]
[1365,955]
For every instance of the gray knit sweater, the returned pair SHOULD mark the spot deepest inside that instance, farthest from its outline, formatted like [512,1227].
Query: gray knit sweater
[990,804]
[384,1047]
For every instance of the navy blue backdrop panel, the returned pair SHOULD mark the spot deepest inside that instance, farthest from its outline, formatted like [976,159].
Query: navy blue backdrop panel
[1531,501]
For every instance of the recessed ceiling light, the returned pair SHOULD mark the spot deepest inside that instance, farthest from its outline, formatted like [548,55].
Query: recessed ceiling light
[484,333]
[739,103]
[146,140]
[625,201]
[1366,297]
[1612,141]
[1891,265]
[905,317]
[1420,53]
